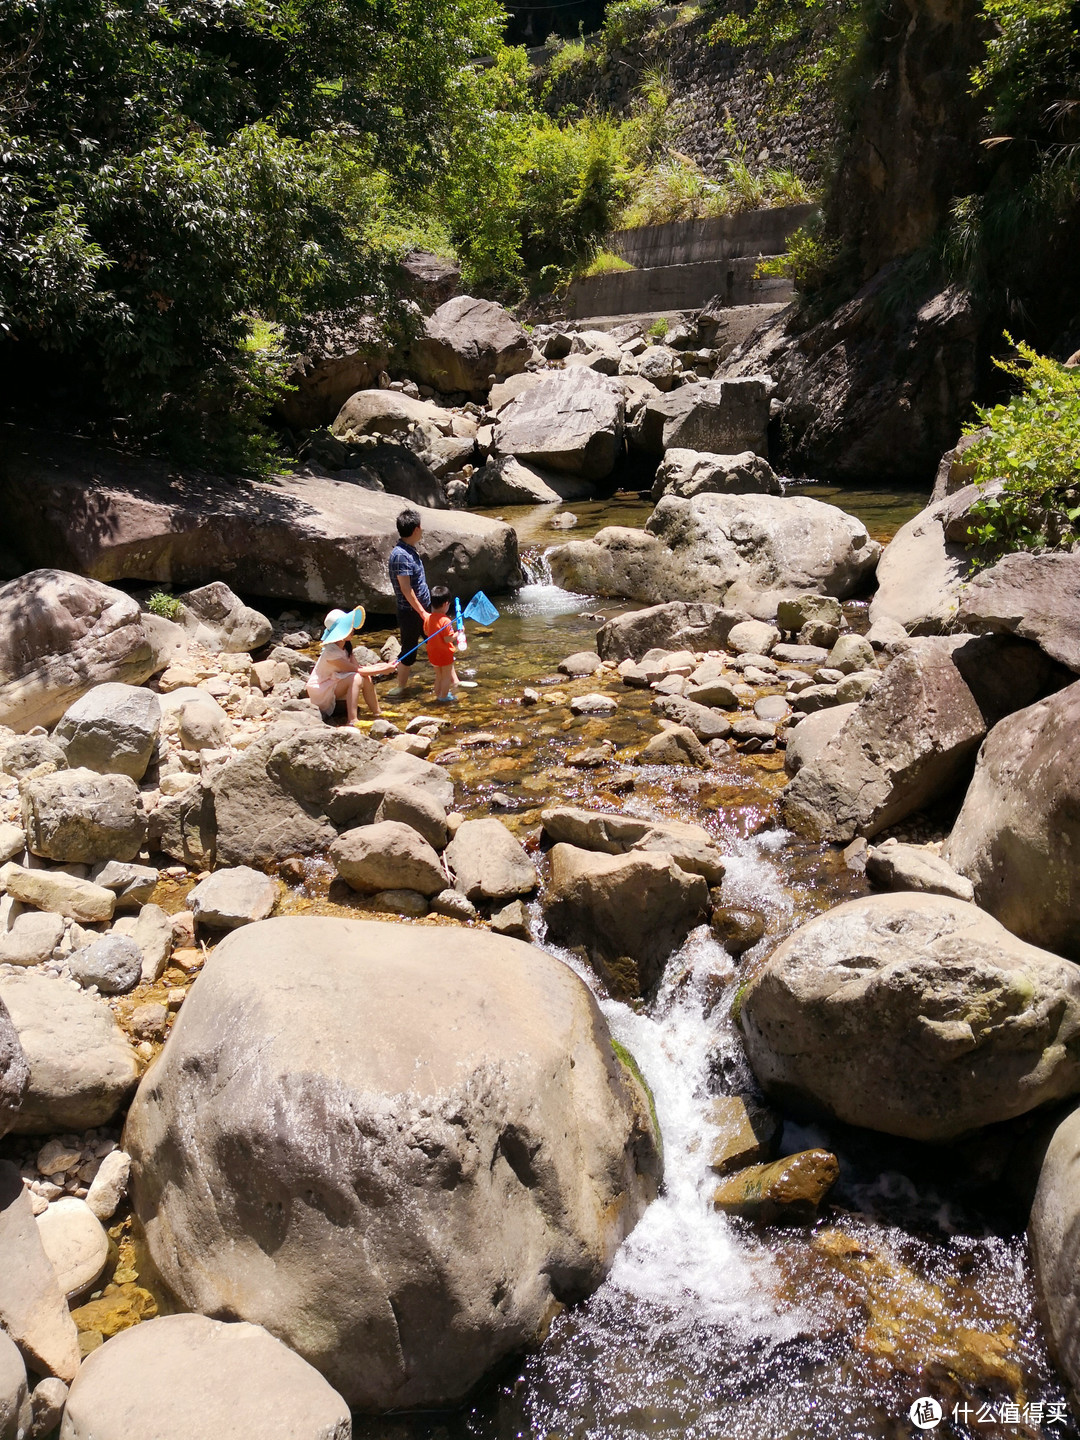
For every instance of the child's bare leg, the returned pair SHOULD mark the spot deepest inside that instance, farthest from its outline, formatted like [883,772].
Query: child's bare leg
[352,694]
[440,681]
[371,698]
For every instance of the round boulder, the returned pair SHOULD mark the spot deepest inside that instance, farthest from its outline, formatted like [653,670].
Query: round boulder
[75,1242]
[916,1015]
[183,1377]
[233,897]
[82,817]
[111,729]
[401,1155]
[113,964]
[15,1411]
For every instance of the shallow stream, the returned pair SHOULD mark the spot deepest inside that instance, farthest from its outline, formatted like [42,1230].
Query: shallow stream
[915,1281]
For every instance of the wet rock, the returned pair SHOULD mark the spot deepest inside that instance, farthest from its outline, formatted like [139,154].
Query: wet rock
[387,856]
[31,939]
[512,920]
[131,884]
[112,729]
[705,723]
[81,1066]
[915,1015]
[788,1191]
[592,757]
[582,662]
[203,725]
[113,964]
[421,1150]
[677,745]
[47,1407]
[33,1311]
[488,863]
[78,815]
[687,473]
[15,1413]
[183,1377]
[737,929]
[454,905]
[60,635]
[771,708]
[118,1309]
[749,1133]
[914,737]
[1017,837]
[232,897]
[721,417]
[56,891]
[677,625]
[464,342]
[630,911]
[690,846]
[77,1246]
[893,866]
[1052,1231]
[572,422]
[851,653]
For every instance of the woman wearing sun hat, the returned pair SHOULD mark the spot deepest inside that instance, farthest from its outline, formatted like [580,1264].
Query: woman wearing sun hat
[336,675]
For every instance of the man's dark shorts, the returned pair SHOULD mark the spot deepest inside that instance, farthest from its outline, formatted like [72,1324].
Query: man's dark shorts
[411,630]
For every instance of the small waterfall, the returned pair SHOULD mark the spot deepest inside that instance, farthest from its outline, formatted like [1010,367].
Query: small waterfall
[535,567]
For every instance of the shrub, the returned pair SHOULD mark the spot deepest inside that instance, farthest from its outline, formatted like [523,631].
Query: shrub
[807,263]
[628,21]
[163,604]
[657,330]
[604,262]
[1032,446]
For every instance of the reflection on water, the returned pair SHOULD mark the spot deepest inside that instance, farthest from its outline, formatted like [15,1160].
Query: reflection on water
[910,1284]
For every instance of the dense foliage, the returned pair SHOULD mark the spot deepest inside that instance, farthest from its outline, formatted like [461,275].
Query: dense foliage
[1031,446]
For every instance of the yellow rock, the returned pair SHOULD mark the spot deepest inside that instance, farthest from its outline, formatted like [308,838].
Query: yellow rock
[117,1310]
[787,1190]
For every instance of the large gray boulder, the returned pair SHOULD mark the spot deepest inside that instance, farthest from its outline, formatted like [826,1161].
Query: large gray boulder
[573,422]
[402,1156]
[488,863]
[60,635]
[387,856]
[922,571]
[721,417]
[14,1070]
[184,1377]
[687,473]
[916,1015]
[914,737]
[298,537]
[112,963]
[14,1395]
[1054,1233]
[219,620]
[1017,837]
[677,625]
[382,412]
[465,342]
[112,729]
[691,847]
[740,551]
[80,816]
[629,911]
[1034,596]
[81,1066]
[506,481]
[33,1310]
[287,793]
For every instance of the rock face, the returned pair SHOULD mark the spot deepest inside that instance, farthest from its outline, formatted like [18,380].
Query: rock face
[14,1071]
[318,540]
[572,423]
[686,473]
[465,342]
[112,729]
[216,618]
[33,1310]
[1034,596]
[630,911]
[1017,837]
[183,1377]
[81,1067]
[921,572]
[80,816]
[678,625]
[740,551]
[60,635]
[488,863]
[914,737]
[915,1015]
[721,417]
[435,1146]
[1054,1232]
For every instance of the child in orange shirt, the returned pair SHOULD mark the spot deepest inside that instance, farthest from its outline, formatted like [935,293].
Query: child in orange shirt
[440,650]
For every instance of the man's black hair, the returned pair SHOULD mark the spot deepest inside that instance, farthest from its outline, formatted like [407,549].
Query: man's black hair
[440,595]
[407,522]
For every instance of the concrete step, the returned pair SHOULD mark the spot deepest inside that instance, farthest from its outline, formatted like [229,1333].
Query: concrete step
[676,287]
[719,237]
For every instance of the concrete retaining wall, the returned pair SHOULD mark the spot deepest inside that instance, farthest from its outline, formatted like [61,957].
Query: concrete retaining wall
[720,237]
[675,287]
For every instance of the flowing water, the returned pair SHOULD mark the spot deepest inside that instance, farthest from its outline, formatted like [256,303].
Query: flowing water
[915,1281]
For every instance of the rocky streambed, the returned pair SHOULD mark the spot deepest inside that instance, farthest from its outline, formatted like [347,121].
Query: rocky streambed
[906,1272]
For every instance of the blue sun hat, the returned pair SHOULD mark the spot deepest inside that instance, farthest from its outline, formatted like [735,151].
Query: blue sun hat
[340,624]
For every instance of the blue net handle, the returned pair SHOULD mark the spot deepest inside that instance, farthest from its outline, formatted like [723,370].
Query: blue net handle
[481,610]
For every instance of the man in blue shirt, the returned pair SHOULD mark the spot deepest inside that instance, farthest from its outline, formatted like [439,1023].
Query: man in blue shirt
[411,594]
